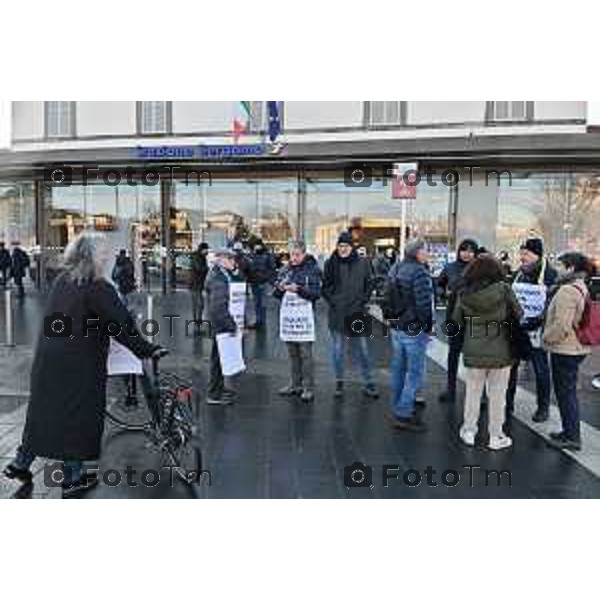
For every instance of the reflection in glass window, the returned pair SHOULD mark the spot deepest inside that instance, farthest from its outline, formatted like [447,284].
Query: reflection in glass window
[232,209]
[561,208]
[17,214]
[130,217]
[373,216]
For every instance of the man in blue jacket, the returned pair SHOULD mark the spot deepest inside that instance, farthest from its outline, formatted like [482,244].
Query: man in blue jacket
[412,325]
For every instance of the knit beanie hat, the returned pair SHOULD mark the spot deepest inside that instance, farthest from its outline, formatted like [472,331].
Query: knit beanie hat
[535,245]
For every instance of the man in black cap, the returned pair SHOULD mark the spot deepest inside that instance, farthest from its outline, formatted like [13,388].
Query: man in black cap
[449,284]
[199,271]
[348,281]
[535,270]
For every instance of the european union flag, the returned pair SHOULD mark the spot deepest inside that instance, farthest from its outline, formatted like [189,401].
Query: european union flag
[274,120]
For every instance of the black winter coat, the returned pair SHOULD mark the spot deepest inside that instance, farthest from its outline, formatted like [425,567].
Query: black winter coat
[5,261]
[199,270]
[123,275]
[450,282]
[217,300]
[65,416]
[20,262]
[347,287]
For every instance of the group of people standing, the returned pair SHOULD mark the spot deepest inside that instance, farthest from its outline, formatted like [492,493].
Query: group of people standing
[496,318]
[542,306]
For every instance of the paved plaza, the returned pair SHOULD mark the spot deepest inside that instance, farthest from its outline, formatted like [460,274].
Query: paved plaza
[266,446]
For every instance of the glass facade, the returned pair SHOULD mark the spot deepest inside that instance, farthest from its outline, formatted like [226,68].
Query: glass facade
[561,208]
[160,226]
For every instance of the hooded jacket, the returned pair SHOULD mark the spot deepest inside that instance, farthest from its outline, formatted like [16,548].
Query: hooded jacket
[485,313]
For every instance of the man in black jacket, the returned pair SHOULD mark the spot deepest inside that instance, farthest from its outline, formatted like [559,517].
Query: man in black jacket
[19,266]
[347,285]
[123,275]
[534,269]
[449,284]
[217,299]
[262,272]
[5,264]
[199,271]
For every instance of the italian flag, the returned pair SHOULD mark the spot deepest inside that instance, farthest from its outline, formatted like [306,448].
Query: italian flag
[241,119]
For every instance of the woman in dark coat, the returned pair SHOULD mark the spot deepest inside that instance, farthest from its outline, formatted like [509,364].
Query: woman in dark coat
[65,417]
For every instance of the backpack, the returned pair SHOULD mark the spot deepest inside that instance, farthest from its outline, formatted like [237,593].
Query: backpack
[588,329]
[393,303]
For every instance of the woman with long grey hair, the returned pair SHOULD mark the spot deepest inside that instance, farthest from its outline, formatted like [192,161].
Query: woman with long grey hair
[65,416]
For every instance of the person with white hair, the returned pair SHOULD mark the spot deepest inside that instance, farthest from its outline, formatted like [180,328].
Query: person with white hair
[65,416]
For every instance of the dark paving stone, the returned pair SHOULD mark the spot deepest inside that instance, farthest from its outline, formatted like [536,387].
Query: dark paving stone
[266,446]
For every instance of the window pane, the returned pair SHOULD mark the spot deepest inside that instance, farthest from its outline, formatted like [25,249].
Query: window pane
[60,120]
[154,117]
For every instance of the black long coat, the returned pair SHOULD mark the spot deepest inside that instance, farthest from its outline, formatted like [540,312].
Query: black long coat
[65,417]
[347,287]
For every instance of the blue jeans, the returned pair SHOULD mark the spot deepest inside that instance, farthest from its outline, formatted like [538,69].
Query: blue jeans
[407,370]
[258,291]
[564,377]
[72,468]
[539,361]
[360,352]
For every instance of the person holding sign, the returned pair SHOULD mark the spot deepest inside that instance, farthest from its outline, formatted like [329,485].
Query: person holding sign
[299,286]
[530,285]
[226,295]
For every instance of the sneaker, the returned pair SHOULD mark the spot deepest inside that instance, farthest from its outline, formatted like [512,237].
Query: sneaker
[413,423]
[228,393]
[219,400]
[500,443]
[79,489]
[564,443]
[307,396]
[339,389]
[540,415]
[447,397]
[557,435]
[290,390]
[467,436]
[370,391]
[13,472]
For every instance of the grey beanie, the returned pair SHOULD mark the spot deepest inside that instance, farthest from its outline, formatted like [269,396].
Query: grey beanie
[412,248]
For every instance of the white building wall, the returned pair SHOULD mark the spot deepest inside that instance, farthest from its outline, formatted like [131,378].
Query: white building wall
[315,115]
[434,113]
[550,111]
[106,118]
[118,119]
[192,117]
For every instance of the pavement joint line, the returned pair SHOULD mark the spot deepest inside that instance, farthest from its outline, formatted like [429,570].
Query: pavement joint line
[525,405]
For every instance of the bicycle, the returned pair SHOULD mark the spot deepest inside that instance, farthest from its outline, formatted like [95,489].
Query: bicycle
[167,418]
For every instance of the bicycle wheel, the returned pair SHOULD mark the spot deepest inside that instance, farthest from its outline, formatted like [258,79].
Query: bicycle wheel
[131,414]
[182,447]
